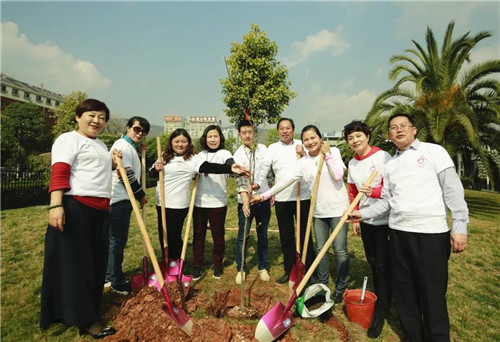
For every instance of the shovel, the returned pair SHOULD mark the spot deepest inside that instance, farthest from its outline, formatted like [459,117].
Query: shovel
[138,281]
[176,314]
[310,218]
[185,280]
[279,319]
[171,266]
[297,271]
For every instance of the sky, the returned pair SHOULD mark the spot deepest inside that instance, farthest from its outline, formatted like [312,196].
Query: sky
[166,58]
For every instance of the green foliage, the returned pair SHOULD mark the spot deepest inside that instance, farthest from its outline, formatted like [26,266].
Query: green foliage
[272,136]
[456,109]
[256,81]
[24,132]
[66,113]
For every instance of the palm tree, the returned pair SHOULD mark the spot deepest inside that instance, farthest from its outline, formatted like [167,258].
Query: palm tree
[454,104]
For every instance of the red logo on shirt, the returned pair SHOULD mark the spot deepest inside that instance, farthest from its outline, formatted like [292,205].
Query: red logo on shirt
[420,161]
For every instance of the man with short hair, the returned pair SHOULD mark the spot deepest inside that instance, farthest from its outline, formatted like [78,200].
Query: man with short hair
[420,184]
[251,155]
[121,208]
[282,156]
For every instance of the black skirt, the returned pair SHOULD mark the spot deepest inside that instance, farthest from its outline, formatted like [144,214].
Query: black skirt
[75,266]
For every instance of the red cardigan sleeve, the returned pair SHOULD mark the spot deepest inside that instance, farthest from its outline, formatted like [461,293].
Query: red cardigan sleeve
[376,192]
[353,191]
[60,177]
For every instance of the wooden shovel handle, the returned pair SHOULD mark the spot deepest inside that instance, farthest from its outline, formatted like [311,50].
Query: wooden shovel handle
[143,183]
[332,236]
[162,194]
[297,216]
[190,217]
[142,226]
[311,207]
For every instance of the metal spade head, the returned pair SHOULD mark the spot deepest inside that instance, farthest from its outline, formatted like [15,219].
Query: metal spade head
[274,323]
[296,274]
[177,314]
[173,267]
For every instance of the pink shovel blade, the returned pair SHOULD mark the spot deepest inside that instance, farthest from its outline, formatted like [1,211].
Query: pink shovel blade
[186,281]
[173,267]
[177,314]
[296,275]
[274,323]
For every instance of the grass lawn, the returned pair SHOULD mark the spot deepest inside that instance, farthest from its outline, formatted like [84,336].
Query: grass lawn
[472,289]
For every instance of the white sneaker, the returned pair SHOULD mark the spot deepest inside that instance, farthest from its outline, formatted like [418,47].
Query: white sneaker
[264,276]
[239,277]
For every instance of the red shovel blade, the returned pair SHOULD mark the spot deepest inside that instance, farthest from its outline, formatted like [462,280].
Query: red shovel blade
[177,314]
[173,267]
[138,281]
[274,323]
[297,273]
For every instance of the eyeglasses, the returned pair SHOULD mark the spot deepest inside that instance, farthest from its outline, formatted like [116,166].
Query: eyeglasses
[403,127]
[138,130]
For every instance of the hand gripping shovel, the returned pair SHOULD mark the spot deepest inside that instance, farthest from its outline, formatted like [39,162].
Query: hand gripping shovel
[309,220]
[171,266]
[297,271]
[184,280]
[279,319]
[140,280]
[176,314]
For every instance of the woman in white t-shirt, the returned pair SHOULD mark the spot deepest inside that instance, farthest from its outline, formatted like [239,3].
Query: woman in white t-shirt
[76,241]
[374,232]
[180,165]
[331,202]
[211,202]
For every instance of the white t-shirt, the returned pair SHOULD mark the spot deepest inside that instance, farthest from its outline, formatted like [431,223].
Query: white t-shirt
[178,174]
[212,191]
[242,156]
[90,164]
[360,171]
[280,158]
[416,197]
[130,158]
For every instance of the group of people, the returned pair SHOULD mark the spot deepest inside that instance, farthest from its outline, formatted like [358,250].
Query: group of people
[401,217]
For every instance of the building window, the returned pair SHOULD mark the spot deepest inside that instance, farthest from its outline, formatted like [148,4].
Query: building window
[26,95]
[58,103]
[15,92]
[48,101]
[38,98]
[4,89]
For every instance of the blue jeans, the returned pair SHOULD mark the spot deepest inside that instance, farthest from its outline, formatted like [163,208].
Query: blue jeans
[262,214]
[118,236]
[323,227]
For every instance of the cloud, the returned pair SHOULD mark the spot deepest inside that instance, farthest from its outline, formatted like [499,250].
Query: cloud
[334,110]
[45,62]
[322,41]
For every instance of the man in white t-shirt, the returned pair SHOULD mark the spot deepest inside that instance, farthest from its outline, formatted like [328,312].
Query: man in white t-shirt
[282,158]
[121,208]
[251,156]
[420,184]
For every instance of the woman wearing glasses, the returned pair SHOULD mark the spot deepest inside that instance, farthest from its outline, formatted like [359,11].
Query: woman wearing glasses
[374,232]
[121,208]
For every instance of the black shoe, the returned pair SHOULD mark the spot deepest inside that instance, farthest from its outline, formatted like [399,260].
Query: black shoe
[109,330]
[375,328]
[338,297]
[217,271]
[283,280]
[196,272]
[123,289]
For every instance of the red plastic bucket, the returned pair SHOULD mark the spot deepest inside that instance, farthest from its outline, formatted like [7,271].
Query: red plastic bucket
[358,312]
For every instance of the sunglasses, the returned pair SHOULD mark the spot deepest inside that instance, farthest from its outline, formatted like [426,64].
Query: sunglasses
[138,130]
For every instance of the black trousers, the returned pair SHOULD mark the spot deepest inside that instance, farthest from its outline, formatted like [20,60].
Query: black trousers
[74,266]
[420,279]
[175,221]
[286,215]
[376,244]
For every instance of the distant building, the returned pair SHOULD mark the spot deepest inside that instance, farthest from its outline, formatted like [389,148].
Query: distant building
[14,90]
[334,138]
[194,125]
[172,122]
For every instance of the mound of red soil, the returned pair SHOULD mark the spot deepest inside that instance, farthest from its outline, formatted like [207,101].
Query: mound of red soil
[141,317]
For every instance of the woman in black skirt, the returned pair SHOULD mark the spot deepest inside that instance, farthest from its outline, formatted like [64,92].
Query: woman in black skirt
[76,241]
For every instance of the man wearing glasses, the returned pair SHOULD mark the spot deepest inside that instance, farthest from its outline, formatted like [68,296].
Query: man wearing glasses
[121,208]
[420,184]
